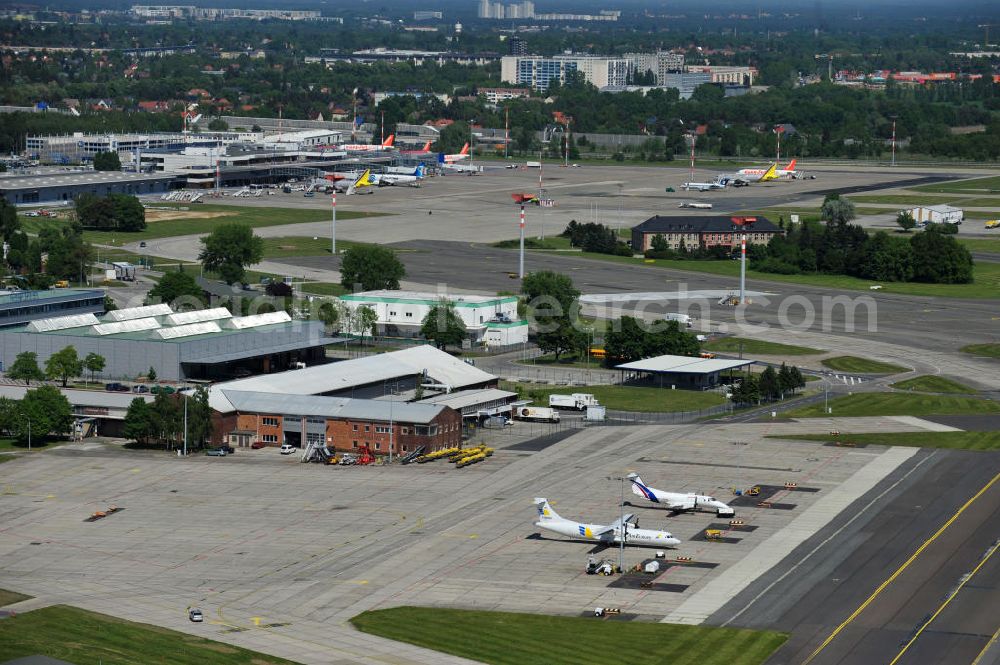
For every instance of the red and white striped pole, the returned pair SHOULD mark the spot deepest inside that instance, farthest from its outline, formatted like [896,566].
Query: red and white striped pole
[743,265]
[520,269]
[333,224]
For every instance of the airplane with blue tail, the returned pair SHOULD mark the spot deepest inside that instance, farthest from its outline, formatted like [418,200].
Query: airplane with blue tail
[679,502]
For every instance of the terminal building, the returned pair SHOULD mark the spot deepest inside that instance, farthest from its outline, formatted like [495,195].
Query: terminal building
[489,320]
[202,344]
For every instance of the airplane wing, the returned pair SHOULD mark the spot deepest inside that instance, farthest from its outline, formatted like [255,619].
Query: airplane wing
[618,522]
[681,505]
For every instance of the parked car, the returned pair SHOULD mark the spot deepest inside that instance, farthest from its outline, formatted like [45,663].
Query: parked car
[142,244]
[196,615]
[139,388]
[287,449]
[215,452]
[257,445]
[117,387]
[228,449]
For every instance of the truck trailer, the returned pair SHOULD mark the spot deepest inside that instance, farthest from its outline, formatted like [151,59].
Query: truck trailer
[577,401]
[537,413]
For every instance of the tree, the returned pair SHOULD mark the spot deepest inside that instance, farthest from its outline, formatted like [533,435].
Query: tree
[939,259]
[129,215]
[555,309]
[151,374]
[371,267]
[199,420]
[838,211]
[329,314]
[25,368]
[107,161]
[768,384]
[905,221]
[138,421]
[178,288]
[64,365]
[165,418]
[9,224]
[443,326]
[94,363]
[365,320]
[229,249]
[46,409]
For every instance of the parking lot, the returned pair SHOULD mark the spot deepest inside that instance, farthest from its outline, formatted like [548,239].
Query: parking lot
[279,554]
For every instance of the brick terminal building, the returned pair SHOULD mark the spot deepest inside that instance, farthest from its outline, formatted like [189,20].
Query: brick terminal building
[703,232]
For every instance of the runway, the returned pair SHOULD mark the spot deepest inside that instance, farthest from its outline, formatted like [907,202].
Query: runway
[908,579]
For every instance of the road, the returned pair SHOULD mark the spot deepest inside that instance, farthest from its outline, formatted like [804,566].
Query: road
[898,574]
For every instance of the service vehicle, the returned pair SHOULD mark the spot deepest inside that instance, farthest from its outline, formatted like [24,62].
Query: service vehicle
[993,223]
[577,401]
[196,616]
[537,413]
[215,452]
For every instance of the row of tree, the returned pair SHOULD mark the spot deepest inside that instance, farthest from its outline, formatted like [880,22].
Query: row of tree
[768,386]
[594,237]
[114,212]
[42,411]
[162,421]
[633,339]
[62,366]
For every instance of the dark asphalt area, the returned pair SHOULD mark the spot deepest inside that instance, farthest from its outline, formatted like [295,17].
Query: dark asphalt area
[817,587]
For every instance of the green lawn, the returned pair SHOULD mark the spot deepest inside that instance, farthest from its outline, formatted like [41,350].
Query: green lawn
[971,186]
[11,597]
[37,443]
[503,638]
[87,637]
[630,398]
[324,289]
[757,346]
[902,199]
[987,350]
[861,365]
[898,404]
[982,244]
[555,242]
[985,286]
[252,216]
[956,440]
[979,202]
[933,384]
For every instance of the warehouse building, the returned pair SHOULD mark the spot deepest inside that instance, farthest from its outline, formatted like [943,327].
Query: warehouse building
[64,187]
[939,214]
[703,232]
[489,320]
[342,424]
[202,344]
[20,307]
[421,395]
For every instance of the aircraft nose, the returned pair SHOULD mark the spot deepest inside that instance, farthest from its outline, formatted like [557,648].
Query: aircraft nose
[673,542]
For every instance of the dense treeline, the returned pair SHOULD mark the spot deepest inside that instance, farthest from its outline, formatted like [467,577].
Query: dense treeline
[841,248]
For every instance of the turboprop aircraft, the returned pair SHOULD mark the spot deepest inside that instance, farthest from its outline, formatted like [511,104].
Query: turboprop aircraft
[618,531]
[678,501]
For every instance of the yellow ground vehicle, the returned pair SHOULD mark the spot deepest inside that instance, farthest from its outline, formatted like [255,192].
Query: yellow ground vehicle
[61,284]
[993,223]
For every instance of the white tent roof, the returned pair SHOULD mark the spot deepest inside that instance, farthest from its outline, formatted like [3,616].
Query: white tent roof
[684,365]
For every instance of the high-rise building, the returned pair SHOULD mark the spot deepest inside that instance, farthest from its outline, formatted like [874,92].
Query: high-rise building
[517,46]
[539,71]
[660,63]
[484,9]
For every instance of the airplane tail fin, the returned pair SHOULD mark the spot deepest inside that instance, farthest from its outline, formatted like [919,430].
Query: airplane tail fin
[388,142]
[427,146]
[545,511]
[440,158]
[770,173]
[420,170]
[791,166]
[365,180]
[465,149]
[639,488]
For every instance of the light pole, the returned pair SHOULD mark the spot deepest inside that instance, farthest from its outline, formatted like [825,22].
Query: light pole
[621,523]
[29,433]
[185,425]
[893,140]
[333,224]
[520,268]
[392,400]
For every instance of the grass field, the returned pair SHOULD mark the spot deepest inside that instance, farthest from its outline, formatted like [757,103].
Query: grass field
[11,597]
[502,638]
[902,199]
[933,384]
[37,443]
[980,202]
[972,186]
[289,246]
[757,346]
[87,637]
[197,223]
[987,350]
[955,440]
[898,404]
[564,361]
[861,365]
[982,244]
[324,289]
[630,398]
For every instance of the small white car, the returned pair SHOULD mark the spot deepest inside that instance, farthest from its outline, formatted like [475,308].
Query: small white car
[287,449]
[196,616]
